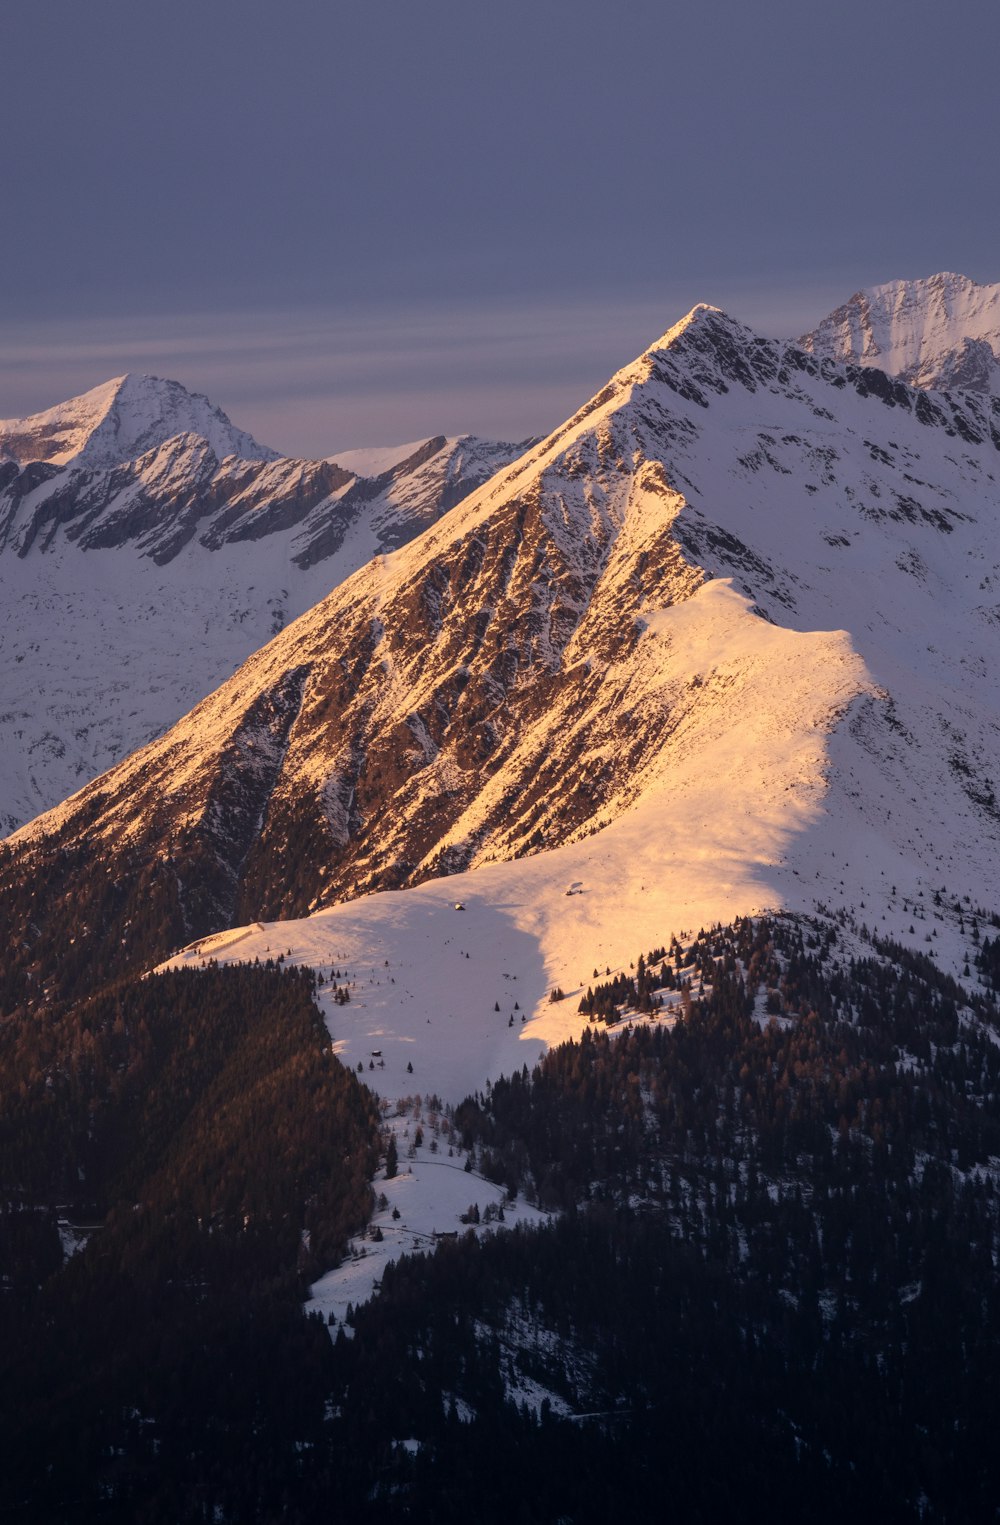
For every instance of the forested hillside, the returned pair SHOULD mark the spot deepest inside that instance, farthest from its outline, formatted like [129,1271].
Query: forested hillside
[774,1277]
[771,1275]
[194,1134]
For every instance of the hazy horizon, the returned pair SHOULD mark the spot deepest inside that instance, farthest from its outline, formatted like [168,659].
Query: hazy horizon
[358,226]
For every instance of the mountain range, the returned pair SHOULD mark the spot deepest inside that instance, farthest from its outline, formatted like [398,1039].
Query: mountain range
[152,477]
[511,679]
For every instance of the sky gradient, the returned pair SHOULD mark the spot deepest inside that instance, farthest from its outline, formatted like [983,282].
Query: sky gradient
[358,224]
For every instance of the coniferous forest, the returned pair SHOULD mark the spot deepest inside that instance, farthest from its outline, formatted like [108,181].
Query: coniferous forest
[199,1126]
[767,1287]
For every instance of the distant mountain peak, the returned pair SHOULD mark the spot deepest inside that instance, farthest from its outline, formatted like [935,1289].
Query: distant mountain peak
[941,331]
[120,420]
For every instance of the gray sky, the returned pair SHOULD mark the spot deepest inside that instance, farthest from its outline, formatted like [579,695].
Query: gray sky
[356,223]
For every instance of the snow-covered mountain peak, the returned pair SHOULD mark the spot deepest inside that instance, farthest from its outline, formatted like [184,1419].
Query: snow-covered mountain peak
[120,420]
[938,332]
[701,356]
[699,314]
[711,350]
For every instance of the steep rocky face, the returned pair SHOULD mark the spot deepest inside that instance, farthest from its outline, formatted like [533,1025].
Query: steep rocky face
[520,676]
[939,333]
[470,706]
[127,592]
[165,875]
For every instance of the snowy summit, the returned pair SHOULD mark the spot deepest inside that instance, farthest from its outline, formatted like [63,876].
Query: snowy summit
[120,420]
[942,332]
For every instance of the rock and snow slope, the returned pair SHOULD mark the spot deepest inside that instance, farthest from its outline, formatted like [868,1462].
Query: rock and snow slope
[103,651]
[714,834]
[129,590]
[942,332]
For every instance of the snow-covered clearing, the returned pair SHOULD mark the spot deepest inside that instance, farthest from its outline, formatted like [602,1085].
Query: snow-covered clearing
[428,1198]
